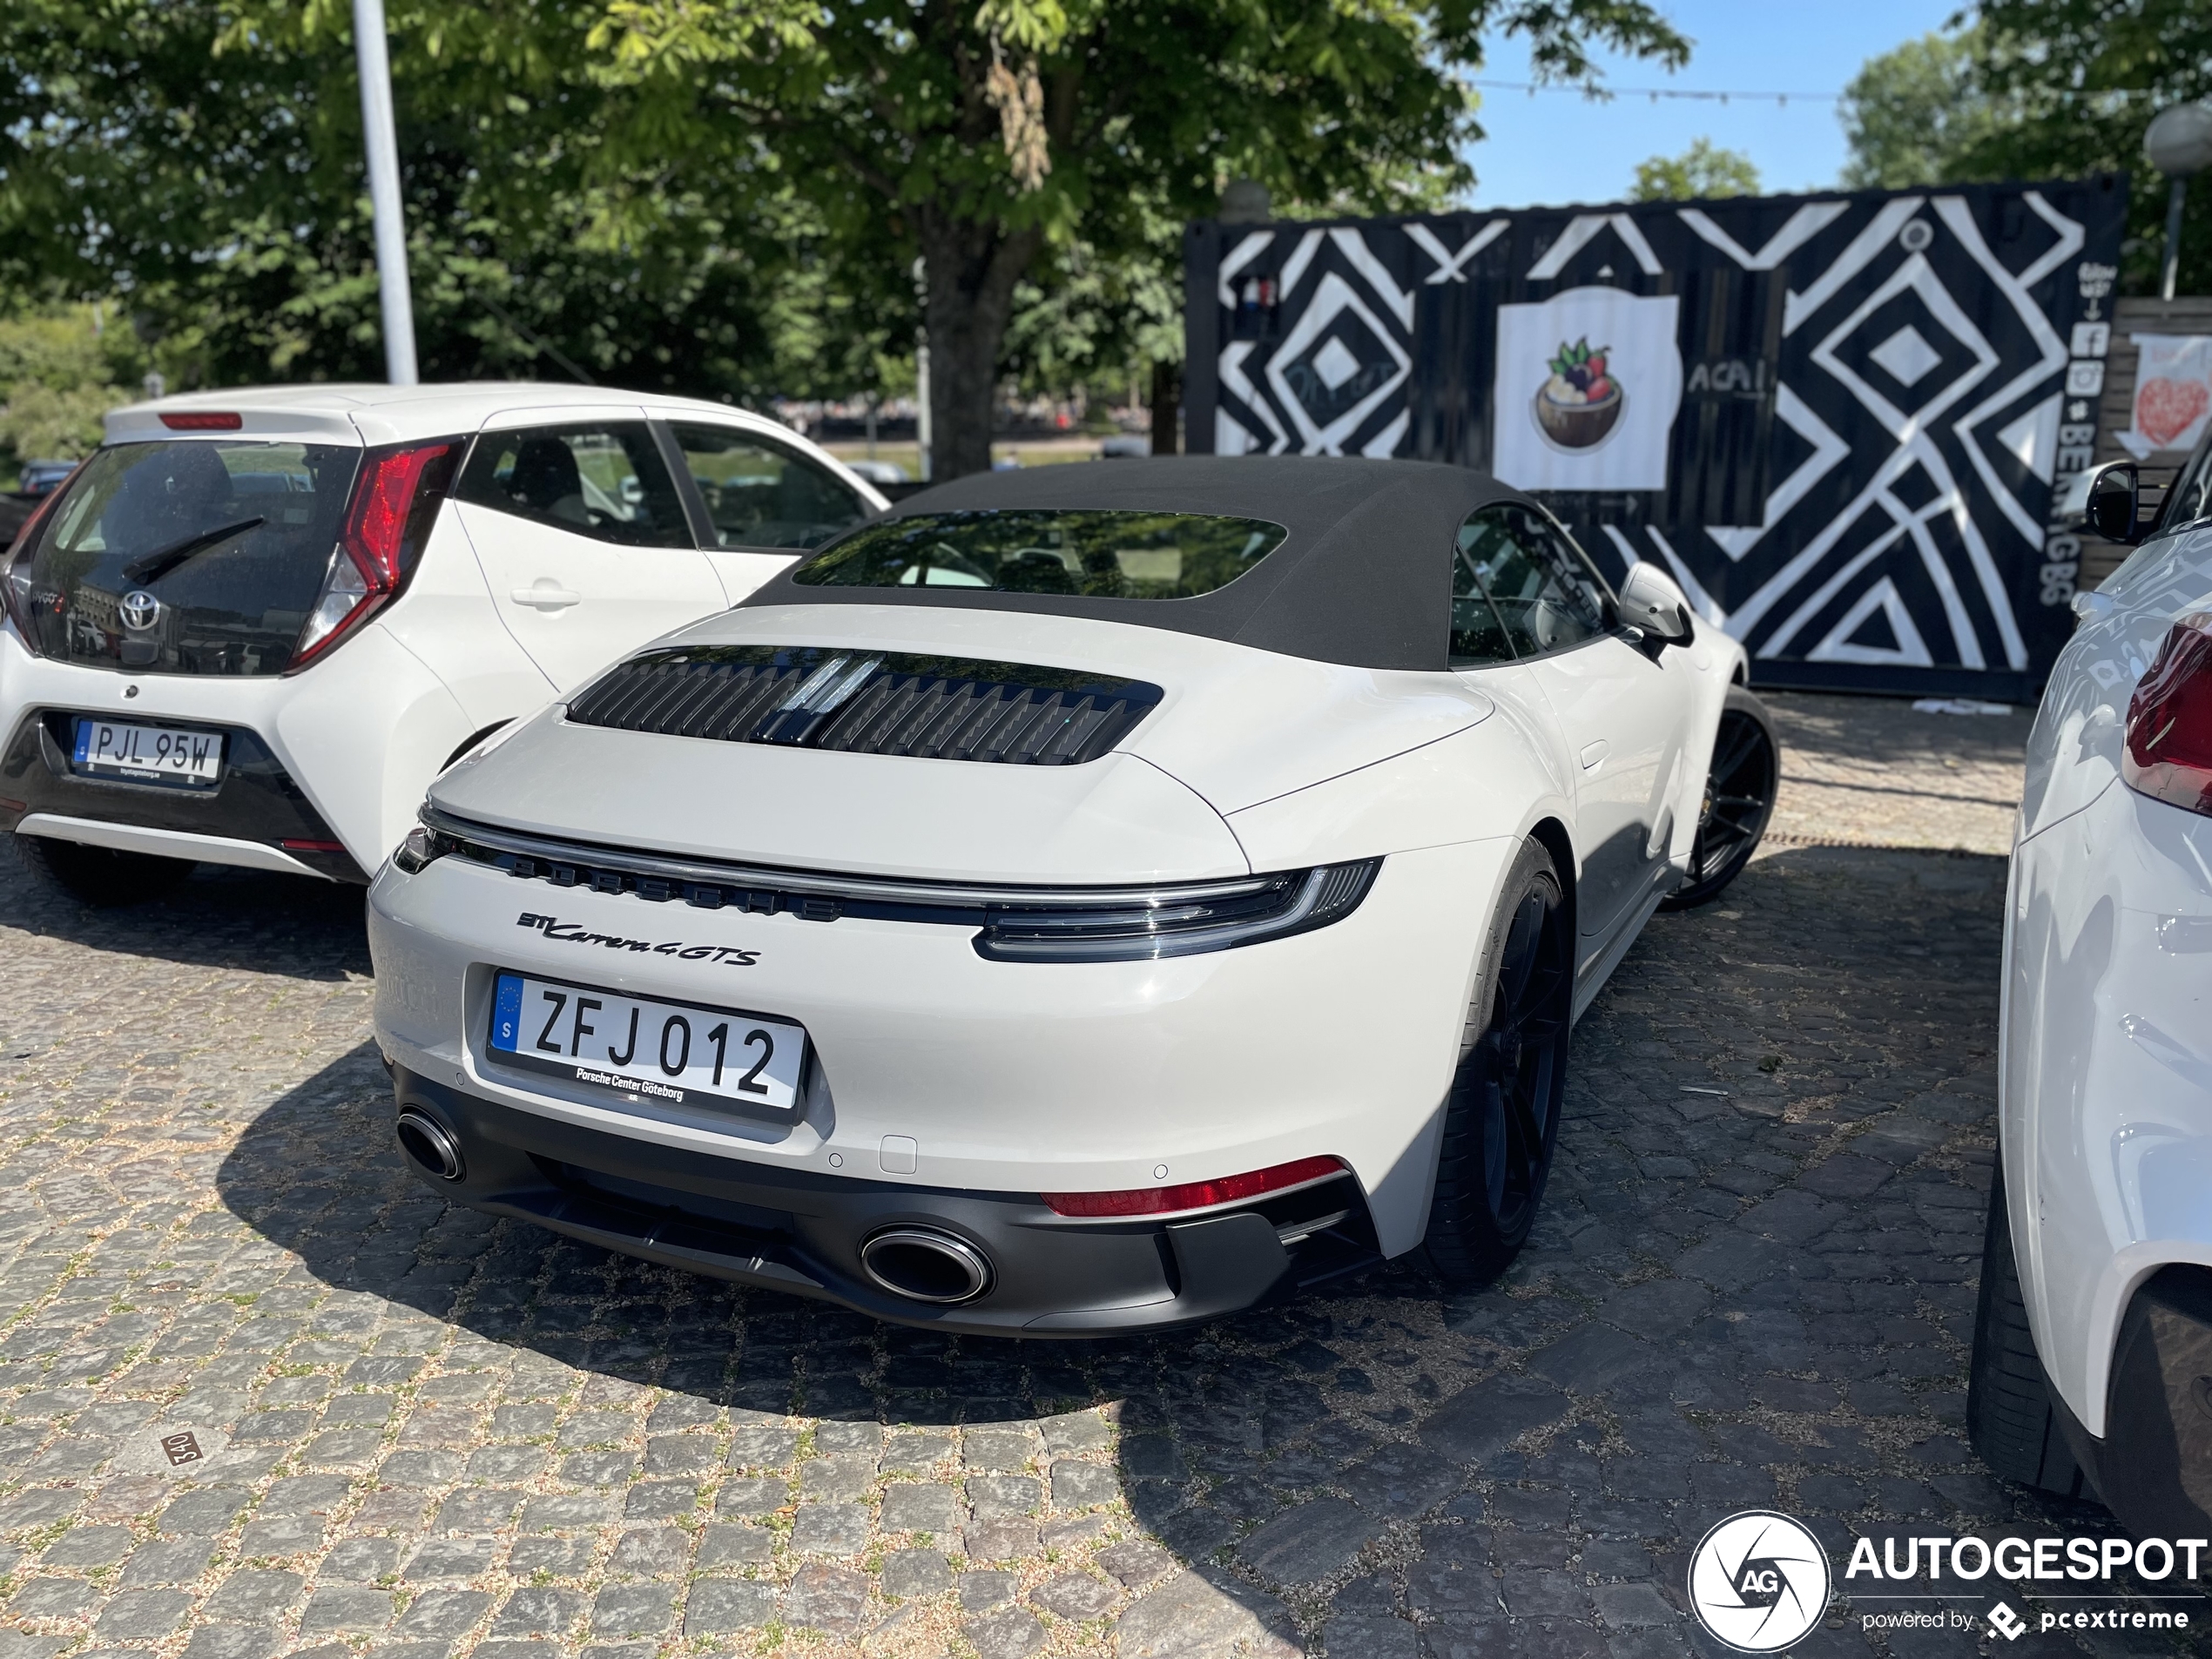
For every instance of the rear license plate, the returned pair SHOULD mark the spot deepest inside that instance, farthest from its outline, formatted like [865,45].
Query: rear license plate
[682,1053]
[148,754]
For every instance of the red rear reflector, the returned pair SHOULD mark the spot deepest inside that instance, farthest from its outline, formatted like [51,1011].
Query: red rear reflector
[7,805]
[199,421]
[1194,1195]
[2167,755]
[312,846]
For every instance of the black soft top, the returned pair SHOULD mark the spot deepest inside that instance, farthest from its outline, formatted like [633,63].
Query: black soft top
[1364,577]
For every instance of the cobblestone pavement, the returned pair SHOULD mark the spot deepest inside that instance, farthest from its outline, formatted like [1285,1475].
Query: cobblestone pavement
[1875,772]
[419,1432]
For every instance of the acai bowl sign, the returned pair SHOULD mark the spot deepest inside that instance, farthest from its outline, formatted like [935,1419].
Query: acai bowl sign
[1587,385]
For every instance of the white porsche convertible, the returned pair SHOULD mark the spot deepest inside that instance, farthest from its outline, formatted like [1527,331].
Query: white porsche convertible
[1089,898]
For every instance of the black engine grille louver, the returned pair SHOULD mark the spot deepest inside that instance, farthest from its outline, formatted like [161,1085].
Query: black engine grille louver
[859,702]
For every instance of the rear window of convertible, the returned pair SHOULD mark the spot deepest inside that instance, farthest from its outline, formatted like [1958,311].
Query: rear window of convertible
[1096,554]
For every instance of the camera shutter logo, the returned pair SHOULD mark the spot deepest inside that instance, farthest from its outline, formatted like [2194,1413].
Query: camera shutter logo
[1759,1581]
[139,610]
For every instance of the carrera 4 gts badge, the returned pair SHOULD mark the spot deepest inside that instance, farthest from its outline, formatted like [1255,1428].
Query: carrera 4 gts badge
[554,927]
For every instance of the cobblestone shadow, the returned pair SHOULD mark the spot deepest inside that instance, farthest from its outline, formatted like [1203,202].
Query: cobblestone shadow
[219,918]
[434,1436]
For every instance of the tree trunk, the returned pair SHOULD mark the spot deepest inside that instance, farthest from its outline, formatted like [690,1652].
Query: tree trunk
[969,271]
[1166,404]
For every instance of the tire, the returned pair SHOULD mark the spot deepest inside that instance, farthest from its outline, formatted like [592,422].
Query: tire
[2010,1416]
[98,876]
[1501,1117]
[1740,786]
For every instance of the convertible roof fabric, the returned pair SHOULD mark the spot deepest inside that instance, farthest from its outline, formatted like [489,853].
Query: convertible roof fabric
[1364,577]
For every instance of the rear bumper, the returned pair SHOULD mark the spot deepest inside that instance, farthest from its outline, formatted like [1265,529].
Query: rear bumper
[801,1231]
[256,816]
[2153,1466]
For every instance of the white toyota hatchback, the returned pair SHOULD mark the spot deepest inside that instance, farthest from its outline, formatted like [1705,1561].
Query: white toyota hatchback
[256,624]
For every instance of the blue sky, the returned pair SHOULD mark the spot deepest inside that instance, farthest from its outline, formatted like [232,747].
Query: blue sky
[1557,148]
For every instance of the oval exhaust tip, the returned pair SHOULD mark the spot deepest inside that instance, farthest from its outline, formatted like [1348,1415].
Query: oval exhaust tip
[430,1144]
[925,1265]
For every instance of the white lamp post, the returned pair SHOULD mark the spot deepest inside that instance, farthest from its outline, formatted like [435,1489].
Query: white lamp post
[381,140]
[2179,143]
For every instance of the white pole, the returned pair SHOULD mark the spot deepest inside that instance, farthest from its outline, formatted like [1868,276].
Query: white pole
[381,140]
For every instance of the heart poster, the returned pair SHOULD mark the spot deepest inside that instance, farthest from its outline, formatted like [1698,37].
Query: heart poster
[2172,394]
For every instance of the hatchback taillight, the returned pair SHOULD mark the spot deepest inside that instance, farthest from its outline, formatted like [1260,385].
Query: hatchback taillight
[2168,752]
[394,504]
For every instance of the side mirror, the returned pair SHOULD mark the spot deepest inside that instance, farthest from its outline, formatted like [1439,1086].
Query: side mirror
[2114,502]
[1651,601]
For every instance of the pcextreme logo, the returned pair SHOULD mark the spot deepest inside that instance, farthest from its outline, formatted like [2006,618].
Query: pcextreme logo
[1758,1581]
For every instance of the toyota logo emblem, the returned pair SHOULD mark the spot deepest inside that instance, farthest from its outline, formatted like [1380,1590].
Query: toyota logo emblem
[140,609]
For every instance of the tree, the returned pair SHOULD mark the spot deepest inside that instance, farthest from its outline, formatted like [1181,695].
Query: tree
[1703,171]
[1911,114]
[982,137]
[2043,89]
[2078,81]
[203,161]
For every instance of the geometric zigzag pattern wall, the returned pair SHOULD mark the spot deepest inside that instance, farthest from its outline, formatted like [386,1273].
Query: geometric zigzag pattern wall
[1877,393]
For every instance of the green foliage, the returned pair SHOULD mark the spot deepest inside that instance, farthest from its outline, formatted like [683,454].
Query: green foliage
[1911,114]
[2044,88]
[723,197]
[1704,171]
[62,367]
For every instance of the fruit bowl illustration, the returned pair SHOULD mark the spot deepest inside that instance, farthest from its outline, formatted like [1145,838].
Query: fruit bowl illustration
[1580,403]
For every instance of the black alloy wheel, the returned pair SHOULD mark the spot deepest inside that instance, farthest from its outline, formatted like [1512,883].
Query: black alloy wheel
[1501,1119]
[1739,799]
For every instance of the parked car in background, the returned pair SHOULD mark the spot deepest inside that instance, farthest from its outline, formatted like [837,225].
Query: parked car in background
[879,472]
[1086,898]
[2092,1347]
[256,624]
[38,477]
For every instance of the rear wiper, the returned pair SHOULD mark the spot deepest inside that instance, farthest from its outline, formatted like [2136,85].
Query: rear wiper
[157,565]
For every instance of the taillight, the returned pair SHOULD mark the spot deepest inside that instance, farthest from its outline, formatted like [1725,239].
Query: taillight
[202,420]
[2168,752]
[15,565]
[1195,1195]
[395,503]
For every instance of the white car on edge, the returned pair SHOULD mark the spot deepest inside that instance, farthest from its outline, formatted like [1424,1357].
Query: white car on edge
[1084,898]
[256,624]
[2093,1348]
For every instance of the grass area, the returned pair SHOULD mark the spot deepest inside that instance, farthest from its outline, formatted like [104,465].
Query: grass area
[1041,452]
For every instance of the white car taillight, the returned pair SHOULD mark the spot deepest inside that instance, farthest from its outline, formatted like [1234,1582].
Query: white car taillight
[2167,755]
[395,501]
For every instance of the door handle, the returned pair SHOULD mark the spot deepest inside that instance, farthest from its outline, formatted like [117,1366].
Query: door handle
[1592,753]
[546,596]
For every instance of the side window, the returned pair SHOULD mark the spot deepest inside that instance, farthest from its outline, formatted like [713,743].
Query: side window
[1477,635]
[759,495]
[605,480]
[1545,593]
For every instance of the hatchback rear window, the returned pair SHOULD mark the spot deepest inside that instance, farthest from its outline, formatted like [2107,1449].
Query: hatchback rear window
[1093,553]
[200,557]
